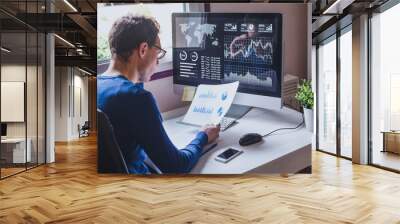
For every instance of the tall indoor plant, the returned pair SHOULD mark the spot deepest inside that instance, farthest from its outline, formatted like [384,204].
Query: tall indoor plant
[305,96]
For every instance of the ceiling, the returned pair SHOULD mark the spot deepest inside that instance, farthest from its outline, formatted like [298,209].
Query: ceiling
[76,25]
[75,21]
[330,15]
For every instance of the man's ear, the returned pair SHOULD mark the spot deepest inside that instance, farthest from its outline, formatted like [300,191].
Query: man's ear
[143,47]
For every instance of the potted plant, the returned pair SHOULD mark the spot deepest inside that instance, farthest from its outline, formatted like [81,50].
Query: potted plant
[305,96]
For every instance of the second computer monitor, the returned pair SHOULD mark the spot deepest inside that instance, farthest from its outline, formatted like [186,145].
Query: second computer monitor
[214,48]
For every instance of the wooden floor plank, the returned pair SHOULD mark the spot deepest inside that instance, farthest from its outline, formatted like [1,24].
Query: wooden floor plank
[71,191]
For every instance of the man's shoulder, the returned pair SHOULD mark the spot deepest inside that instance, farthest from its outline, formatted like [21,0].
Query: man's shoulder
[118,89]
[133,94]
[134,90]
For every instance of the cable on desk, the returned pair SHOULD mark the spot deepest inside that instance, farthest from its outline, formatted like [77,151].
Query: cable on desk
[279,129]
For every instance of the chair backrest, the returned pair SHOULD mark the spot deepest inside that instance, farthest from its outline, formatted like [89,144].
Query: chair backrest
[109,156]
[86,125]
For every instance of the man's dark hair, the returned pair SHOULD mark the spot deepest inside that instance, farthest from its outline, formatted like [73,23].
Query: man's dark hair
[129,31]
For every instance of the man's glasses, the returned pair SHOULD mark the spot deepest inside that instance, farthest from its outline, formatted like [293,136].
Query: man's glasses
[161,52]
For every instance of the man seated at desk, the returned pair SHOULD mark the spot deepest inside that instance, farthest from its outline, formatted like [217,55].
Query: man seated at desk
[133,112]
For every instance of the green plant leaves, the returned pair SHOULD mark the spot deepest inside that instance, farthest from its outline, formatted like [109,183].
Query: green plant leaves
[305,95]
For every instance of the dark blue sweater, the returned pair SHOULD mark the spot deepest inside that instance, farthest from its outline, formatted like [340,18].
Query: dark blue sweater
[138,128]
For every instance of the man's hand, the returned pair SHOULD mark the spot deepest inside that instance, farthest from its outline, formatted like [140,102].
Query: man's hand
[212,131]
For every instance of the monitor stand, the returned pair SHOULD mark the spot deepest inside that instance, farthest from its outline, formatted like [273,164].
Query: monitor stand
[237,111]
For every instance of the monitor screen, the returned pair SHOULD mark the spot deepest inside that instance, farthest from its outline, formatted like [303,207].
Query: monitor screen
[3,129]
[214,48]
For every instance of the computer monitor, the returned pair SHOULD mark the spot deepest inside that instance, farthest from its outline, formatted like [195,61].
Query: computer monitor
[3,129]
[215,48]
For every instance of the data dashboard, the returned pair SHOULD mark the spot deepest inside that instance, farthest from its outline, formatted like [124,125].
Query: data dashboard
[213,48]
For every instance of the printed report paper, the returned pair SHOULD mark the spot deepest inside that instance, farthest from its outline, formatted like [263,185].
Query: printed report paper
[210,103]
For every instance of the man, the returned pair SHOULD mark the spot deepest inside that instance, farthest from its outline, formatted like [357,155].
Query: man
[136,51]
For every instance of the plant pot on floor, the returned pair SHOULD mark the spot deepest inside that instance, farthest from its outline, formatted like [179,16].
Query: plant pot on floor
[309,119]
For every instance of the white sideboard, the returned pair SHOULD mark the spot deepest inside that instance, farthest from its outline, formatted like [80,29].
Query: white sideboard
[15,148]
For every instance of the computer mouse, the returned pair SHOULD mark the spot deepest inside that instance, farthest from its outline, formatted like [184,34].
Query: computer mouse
[250,138]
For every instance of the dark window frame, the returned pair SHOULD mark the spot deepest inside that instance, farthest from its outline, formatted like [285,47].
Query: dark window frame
[381,9]
[333,37]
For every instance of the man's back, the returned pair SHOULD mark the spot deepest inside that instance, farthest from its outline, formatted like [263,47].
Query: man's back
[113,96]
[138,128]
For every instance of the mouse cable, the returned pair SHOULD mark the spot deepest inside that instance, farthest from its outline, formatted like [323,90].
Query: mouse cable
[279,129]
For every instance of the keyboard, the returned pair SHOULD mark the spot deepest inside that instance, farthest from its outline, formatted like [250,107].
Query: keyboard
[227,122]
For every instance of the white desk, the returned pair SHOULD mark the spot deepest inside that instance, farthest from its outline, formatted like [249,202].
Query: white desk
[16,147]
[286,151]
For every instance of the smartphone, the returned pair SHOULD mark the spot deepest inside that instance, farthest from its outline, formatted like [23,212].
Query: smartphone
[228,155]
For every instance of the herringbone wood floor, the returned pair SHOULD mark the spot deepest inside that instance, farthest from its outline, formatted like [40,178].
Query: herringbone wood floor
[70,191]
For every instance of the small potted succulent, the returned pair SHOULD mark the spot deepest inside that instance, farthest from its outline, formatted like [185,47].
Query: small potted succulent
[305,96]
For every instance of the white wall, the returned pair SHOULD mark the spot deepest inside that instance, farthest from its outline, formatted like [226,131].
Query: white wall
[69,82]
[79,117]
[33,127]
[163,92]
[16,72]
[12,73]
[61,103]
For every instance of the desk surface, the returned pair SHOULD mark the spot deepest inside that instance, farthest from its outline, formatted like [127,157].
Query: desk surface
[13,140]
[391,132]
[285,151]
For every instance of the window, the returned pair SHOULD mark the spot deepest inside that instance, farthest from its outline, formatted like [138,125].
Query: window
[334,96]
[327,95]
[385,88]
[161,12]
[394,101]
[346,92]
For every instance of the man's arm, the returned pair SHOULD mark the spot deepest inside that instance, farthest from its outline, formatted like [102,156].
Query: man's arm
[154,139]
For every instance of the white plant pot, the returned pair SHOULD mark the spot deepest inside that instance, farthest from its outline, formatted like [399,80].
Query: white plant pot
[309,119]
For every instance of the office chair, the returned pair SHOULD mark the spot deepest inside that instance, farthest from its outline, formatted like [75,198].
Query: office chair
[109,156]
[84,129]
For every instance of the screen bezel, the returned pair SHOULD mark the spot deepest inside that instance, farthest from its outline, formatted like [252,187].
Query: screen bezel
[241,89]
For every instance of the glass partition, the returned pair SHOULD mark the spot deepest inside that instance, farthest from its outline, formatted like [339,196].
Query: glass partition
[346,93]
[31,98]
[385,89]
[22,88]
[13,105]
[41,96]
[326,96]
